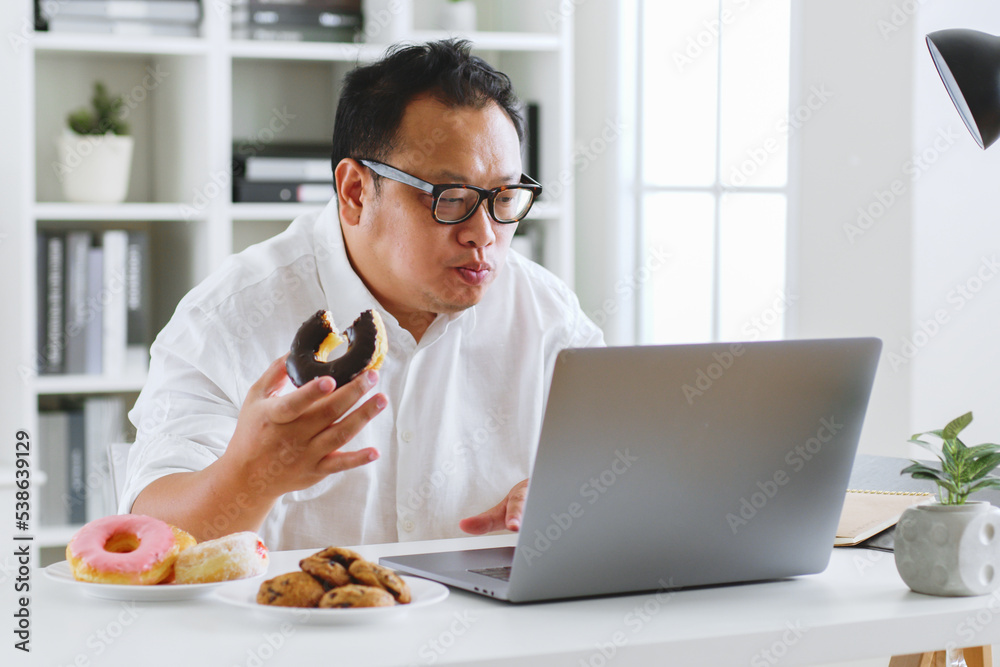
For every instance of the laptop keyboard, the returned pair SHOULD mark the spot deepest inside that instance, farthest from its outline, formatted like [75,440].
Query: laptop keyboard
[502,573]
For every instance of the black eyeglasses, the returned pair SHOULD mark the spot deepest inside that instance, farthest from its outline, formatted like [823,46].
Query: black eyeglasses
[456,202]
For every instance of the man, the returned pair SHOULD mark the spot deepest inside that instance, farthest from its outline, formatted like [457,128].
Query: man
[224,443]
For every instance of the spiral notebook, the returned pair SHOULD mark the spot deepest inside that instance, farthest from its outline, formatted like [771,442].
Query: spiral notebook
[867,513]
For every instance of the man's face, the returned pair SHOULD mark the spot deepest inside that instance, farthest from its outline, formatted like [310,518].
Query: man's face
[413,264]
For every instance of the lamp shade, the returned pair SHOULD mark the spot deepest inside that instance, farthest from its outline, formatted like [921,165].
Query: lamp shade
[969,64]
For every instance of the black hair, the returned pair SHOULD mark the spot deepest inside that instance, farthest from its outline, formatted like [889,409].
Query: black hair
[374,97]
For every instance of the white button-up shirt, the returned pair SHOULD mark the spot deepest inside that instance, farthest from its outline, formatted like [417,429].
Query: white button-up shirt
[464,408]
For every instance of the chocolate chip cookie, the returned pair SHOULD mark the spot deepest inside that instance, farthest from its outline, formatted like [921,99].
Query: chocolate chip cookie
[330,565]
[294,589]
[356,595]
[372,574]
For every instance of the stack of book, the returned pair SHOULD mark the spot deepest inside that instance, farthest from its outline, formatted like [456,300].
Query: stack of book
[297,20]
[173,18]
[93,302]
[74,442]
[283,173]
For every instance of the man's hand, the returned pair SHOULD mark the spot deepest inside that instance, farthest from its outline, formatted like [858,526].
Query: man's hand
[281,444]
[506,514]
[291,442]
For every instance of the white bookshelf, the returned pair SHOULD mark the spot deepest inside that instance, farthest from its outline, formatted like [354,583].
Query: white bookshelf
[210,91]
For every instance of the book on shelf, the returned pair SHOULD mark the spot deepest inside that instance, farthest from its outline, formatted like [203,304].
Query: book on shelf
[173,18]
[73,442]
[51,340]
[530,146]
[315,20]
[266,191]
[114,311]
[94,301]
[286,172]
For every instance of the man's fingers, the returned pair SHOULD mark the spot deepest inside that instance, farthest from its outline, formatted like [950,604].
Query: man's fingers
[288,408]
[335,436]
[515,506]
[341,461]
[490,520]
[272,380]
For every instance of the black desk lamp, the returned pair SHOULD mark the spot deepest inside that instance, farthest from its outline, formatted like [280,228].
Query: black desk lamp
[969,64]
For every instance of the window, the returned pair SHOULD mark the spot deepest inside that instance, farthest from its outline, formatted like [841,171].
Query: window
[712,164]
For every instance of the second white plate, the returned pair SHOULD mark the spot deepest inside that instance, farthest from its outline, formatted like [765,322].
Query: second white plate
[244,594]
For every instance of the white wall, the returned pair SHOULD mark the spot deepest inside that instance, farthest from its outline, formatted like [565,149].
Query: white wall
[850,255]
[956,246]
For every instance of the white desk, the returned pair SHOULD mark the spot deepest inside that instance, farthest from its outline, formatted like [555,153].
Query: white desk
[857,608]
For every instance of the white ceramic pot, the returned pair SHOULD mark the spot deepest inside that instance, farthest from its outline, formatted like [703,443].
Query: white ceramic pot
[94,168]
[458,16]
[949,549]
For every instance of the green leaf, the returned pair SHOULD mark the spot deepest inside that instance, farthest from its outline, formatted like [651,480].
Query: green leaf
[956,425]
[985,483]
[982,467]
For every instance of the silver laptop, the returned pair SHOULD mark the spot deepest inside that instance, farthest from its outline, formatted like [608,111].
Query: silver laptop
[662,467]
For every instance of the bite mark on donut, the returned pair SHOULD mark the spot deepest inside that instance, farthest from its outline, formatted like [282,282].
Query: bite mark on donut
[317,338]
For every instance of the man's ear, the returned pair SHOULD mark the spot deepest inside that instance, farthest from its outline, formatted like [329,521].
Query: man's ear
[353,186]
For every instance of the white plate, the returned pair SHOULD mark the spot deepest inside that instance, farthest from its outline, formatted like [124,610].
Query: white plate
[422,591]
[62,573]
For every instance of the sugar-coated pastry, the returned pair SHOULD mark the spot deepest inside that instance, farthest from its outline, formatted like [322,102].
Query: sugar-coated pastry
[126,549]
[317,337]
[356,595]
[372,574]
[330,565]
[293,589]
[235,556]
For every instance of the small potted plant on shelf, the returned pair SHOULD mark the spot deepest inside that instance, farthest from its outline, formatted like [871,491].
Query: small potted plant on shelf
[458,16]
[952,546]
[95,151]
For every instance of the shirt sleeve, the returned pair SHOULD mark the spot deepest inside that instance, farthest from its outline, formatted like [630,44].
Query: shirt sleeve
[187,410]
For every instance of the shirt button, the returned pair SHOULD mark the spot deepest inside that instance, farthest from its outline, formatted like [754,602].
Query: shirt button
[406,436]
[408,526]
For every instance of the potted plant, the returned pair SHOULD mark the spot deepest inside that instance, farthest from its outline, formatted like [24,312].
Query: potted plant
[952,546]
[95,150]
[458,16]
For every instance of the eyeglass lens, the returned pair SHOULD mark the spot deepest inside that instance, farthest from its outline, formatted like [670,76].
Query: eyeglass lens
[509,205]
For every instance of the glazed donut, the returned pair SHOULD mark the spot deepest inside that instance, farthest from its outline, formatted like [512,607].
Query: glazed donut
[235,556]
[126,549]
[318,336]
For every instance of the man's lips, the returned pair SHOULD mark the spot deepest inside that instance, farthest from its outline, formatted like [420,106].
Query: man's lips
[474,274]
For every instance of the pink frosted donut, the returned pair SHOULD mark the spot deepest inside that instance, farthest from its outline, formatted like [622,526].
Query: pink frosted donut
[126,549]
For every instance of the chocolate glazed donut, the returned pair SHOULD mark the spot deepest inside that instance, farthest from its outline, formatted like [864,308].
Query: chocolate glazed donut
[317,337]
